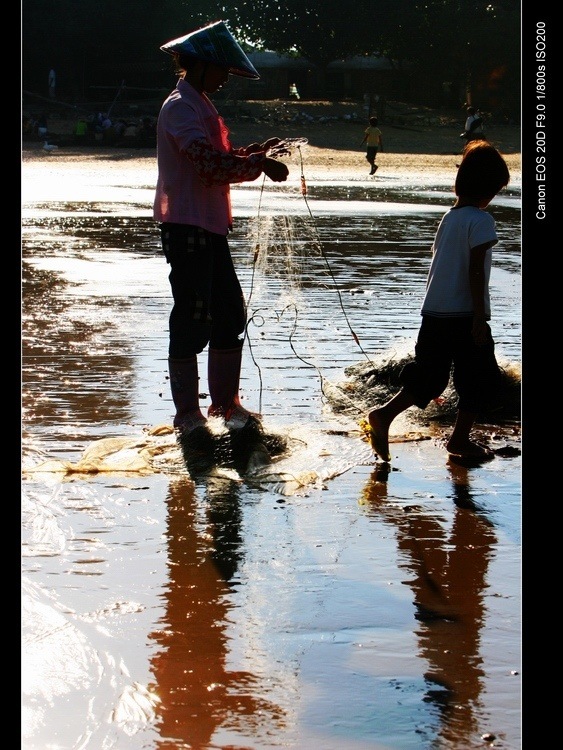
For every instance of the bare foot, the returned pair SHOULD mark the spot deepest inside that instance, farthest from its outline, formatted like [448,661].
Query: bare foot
[468,449]
[379,435]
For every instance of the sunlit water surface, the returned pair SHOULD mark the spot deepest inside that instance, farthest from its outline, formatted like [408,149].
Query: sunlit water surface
[359,611]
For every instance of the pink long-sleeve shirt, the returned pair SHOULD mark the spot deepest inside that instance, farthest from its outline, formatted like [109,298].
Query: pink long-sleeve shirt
[197,163]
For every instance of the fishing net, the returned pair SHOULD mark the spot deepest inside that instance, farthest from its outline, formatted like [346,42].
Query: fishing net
[292,293]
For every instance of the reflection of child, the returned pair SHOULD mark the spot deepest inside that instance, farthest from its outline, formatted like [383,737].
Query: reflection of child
[456,308]
[373,138]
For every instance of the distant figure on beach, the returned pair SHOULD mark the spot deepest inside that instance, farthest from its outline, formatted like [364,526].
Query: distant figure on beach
[81,127]
[105,122]
[42,127]
[373,138]
[147,131]
[131,130]
[52,83]
[293,91]
[196,166]
[473,125]
[455,310]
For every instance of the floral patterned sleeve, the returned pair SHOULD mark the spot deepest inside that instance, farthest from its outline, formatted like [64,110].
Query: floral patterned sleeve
[221,168]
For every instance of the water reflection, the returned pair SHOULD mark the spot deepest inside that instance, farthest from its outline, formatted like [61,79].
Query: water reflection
[68,358]
[78,364]
[447,571]
[199,694]
[96,304]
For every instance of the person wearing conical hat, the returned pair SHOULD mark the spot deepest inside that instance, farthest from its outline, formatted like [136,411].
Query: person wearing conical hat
[197,163]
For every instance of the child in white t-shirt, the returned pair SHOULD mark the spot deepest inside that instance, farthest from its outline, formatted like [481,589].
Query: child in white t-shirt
[456,308]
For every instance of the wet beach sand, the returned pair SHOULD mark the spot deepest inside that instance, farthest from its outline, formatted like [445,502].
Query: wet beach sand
[328,600]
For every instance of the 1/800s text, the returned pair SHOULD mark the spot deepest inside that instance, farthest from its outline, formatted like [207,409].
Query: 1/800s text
[540,119]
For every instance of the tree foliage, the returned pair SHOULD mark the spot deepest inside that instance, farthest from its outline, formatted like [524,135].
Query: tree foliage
[318,31]
[99,42]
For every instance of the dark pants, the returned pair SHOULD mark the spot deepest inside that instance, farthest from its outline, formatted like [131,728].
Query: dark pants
[209,305]
[371,153]
[445,346]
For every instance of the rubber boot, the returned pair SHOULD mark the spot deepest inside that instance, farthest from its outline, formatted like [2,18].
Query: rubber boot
[195,439]
[184,385]
[223,376]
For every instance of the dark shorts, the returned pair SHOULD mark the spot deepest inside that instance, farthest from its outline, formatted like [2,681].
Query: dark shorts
[371,153]
[209,305]
[445,347]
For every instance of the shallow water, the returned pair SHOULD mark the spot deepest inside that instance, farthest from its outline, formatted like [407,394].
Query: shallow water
[320,603]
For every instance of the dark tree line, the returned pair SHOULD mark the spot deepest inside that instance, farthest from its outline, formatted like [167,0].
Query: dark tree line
[94,44]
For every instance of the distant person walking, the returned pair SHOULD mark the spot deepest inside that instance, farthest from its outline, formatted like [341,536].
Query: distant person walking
[454,335]
[293,91]
[52,83]
[473,125]
[42,127]
[373,138]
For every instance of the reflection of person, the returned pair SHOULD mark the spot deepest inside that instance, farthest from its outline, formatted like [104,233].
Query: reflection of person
[447,572]
[199,691]
[196,165]
[455,310]
[473,125]
[373,138]
[52,83]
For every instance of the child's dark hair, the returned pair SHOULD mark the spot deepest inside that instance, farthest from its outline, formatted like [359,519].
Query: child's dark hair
[482,173]
[373,121]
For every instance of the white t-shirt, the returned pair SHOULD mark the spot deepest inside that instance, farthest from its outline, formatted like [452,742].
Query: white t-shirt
[447,287]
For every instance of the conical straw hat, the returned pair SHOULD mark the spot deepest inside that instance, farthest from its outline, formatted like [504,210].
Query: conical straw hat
[214,44]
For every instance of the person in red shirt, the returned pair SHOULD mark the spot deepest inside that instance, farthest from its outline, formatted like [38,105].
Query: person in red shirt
[197,163]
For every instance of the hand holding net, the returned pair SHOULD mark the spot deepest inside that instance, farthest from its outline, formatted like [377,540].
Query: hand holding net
[286,146]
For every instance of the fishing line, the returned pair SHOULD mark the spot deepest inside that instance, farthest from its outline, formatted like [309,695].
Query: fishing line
[299,357]
[257,246]
[253,318]
[324,257]
[284,148]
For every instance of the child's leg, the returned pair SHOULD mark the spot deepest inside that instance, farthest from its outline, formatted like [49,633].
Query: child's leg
[477,380]
[380,420]
[423,379]
[372,161]
[459,443]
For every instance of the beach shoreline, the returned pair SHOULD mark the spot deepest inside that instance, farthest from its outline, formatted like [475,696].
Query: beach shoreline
[428,140]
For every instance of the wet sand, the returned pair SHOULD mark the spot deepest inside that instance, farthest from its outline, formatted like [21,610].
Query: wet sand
[332,149]
[340,604]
